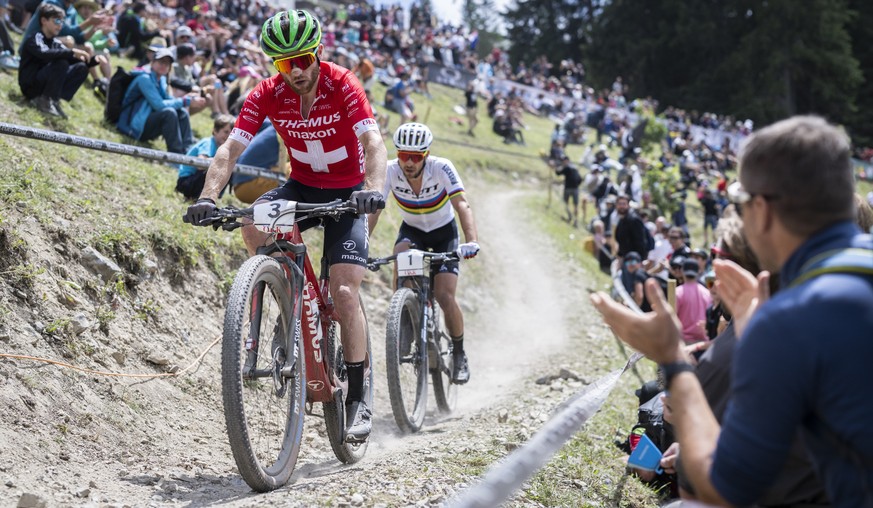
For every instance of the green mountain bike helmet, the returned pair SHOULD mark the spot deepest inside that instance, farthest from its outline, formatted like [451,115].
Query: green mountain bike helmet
[294,31]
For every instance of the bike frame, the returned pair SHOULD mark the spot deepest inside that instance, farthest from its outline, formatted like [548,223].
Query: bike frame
[422,284]
[314,313]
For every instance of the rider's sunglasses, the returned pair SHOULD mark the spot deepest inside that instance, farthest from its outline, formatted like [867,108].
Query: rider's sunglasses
[411,156]
[301,61]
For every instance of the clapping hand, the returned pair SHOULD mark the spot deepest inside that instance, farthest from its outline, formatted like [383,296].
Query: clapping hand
[656,334]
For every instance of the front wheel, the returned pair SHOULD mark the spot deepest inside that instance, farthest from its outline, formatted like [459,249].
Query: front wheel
[334,412]
[262,375]
[406,361]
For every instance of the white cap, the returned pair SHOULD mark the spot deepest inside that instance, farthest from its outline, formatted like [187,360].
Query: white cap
[184,30]
[164,53]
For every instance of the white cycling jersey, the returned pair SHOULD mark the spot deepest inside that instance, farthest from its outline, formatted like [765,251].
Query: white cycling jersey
[431,207]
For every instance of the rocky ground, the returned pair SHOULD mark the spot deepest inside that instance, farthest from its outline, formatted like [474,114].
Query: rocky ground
[70,438]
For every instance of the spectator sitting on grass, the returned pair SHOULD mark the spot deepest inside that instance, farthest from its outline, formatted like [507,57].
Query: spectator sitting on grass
[397,98]
[71,30]
[150,111]
[183,82]
[50,71]
[131,32]
[8,60]
[191,179]
[267,150]
[102,37]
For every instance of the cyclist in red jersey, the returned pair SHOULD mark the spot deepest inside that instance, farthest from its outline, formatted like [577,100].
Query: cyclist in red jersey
[335,150]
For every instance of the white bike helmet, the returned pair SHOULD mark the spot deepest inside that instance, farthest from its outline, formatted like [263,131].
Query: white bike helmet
[413,137]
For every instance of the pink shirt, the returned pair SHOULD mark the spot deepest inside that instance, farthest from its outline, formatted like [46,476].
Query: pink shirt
[692,299]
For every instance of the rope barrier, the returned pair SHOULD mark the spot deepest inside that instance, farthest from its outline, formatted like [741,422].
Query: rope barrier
[113,374]
[504,478]
[122,149]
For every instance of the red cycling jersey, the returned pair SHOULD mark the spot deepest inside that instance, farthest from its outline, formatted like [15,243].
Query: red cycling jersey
[322,147]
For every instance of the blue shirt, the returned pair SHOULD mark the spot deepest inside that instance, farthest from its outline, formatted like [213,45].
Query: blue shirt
[205,146]
[262,152]
[803,363]
[146,94]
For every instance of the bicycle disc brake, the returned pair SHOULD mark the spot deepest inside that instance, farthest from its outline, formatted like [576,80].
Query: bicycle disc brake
[279,381]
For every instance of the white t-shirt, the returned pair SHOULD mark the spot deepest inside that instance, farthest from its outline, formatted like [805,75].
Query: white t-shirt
[431,208]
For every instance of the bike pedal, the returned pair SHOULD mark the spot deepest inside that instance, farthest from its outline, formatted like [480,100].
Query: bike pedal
[350,439]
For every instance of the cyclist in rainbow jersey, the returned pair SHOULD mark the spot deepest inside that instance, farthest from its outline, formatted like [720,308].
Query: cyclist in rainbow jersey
[429,192]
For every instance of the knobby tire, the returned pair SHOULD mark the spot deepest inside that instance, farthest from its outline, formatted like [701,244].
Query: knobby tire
[264,424]
[406,362]
[444,391]
[334,412]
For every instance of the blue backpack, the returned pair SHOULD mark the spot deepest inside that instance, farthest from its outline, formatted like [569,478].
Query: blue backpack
[851,260]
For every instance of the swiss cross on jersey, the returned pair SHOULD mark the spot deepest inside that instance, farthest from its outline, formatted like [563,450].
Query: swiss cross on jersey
[323,148]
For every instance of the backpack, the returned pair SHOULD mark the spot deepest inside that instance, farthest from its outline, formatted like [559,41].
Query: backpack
[115,95]
[650,421]
[650,417]
[851,260]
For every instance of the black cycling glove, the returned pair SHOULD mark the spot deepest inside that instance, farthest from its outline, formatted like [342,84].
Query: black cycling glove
[202,209]
[367,201]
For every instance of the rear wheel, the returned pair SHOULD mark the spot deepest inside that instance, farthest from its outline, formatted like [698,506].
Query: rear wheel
[444,391]
[406,361]
[334,412]
[262,375]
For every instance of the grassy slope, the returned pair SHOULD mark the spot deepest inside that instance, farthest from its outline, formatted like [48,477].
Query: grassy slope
[127,209]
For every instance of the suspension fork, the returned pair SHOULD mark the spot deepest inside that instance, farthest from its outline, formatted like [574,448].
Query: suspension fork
[427,310]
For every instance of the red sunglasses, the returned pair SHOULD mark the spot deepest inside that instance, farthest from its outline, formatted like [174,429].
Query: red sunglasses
[302,62]
[716,252]
[411,156]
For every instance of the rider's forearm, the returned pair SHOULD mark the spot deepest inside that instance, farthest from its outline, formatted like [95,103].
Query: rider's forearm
[372,220]
[219,172]
[468,224]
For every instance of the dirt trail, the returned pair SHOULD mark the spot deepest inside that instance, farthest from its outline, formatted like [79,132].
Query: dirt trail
[162,443]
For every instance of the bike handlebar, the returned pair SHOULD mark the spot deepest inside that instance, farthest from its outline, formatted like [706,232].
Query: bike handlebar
[227,218]
[373,264]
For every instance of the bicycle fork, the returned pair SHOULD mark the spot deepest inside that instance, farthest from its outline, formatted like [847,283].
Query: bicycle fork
[426,329]
[282,364]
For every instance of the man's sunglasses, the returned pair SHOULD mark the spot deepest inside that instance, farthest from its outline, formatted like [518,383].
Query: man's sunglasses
[740,196]
[58,21]
[301,61]
[716,253]
[411,156]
